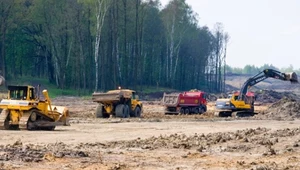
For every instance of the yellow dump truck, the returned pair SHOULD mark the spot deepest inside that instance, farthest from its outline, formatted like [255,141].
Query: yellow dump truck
[24,110]
[122,103]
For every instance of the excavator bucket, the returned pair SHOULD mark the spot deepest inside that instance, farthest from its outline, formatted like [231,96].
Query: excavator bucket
[292,77]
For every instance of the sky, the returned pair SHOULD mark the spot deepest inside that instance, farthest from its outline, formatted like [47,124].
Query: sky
[261,31]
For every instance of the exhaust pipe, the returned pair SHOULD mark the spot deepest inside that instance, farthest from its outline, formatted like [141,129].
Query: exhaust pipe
[292,77]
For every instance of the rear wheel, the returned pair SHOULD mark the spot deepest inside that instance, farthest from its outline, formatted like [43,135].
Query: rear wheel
[126,111]
[122,111]
[137,112]
[201,110]
[181,111]
[99,113]
[197,110]
[187,111]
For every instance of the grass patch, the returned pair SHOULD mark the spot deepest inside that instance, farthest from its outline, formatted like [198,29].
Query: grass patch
[153,89]
[44,84]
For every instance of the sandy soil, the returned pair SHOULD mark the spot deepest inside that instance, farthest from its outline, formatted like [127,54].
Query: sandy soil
[155,141]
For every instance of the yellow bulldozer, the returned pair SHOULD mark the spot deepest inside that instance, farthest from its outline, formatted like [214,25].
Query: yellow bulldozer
[24,109]
[122,103]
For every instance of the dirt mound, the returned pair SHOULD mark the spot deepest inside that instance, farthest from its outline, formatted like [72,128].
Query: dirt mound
[200,142]
[78,106]
[286,108]
[36,153]
[270,96]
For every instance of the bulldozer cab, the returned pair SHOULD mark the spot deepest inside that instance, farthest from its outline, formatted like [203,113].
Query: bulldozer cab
[21,93]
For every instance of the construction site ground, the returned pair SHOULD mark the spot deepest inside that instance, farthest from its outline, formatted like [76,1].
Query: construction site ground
[159,141]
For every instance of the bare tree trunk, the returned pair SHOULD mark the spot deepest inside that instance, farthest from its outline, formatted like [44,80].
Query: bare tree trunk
[101,9]
[226,39]
[172,47]
[116,41]
[137,43]
[125,57]
[177,52]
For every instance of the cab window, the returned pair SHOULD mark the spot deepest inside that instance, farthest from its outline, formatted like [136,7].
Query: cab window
[133,95]
[31,94]
[18,94]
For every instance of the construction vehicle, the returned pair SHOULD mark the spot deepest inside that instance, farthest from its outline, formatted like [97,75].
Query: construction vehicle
[193,101]
[23,109]
[240,104]
[122,103]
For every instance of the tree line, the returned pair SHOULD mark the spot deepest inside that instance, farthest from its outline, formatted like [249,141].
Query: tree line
[96,45]
[252,69]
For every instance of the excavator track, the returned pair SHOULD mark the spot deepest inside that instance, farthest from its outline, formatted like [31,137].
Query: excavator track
[4,124]
[222,113]
[24,123]
[243,114]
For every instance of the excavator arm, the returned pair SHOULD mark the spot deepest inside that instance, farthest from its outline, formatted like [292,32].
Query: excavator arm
[261,76]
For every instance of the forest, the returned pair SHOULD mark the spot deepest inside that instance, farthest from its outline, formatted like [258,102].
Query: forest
[95,45]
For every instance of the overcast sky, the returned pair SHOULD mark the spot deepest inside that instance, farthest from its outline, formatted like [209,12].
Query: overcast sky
[261,31]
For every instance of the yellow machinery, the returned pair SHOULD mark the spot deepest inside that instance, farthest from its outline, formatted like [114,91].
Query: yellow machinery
[241,104]
[120,103]
[24,110]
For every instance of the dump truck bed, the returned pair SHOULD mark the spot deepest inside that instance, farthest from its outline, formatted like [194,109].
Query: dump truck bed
[110,96]
[171,100]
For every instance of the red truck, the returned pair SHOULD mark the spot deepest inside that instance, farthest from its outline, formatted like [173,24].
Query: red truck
[193,101]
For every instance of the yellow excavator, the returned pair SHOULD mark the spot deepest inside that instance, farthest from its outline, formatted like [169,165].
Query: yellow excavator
[23,109]
[241,103]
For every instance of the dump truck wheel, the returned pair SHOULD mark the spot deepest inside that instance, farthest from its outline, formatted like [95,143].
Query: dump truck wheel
[187,111]
[126,111]
[202,110]
[120,110]
[181,111]
[197,111]
[137,112]
[99,111]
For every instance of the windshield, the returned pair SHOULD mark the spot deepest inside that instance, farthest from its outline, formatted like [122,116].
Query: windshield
[18,94]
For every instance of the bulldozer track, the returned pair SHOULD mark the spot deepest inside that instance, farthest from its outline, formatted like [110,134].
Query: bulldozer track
[23,123]
[3,115]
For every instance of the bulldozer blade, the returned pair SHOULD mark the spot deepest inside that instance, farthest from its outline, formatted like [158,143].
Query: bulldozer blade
[292,77]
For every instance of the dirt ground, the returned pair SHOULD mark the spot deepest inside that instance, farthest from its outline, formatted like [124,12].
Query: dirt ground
[158,141]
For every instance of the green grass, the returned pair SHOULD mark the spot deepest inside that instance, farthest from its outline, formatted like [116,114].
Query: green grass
[51,88]
[153,89]
[55,92]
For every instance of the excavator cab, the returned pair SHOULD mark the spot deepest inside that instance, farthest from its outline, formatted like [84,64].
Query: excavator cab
[292,77]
